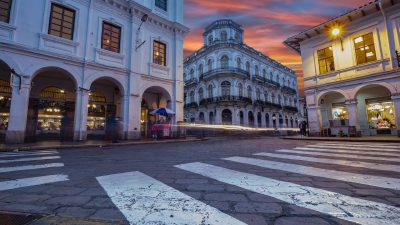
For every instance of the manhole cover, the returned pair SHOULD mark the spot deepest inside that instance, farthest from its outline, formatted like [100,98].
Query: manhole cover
[16,219]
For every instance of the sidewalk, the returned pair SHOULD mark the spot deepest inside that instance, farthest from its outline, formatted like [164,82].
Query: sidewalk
[386,139]
[41,145]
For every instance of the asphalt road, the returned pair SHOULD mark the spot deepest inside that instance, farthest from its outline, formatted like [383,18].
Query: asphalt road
[219,181]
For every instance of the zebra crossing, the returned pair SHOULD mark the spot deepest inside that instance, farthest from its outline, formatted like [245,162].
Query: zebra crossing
[28,161]
[145,200]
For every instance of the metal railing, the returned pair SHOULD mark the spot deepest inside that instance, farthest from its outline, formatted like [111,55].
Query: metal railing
[191,81]
[228,98]
[191,105]
[289,90]
[230,70]
[291,108]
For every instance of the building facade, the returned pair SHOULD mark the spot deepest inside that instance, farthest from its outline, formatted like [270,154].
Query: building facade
[228,82]
[67,66]
[351,71]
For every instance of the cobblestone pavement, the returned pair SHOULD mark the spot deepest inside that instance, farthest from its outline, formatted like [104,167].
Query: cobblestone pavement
[219,181]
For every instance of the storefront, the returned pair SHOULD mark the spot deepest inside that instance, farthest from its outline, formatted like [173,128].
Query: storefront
[5,102]
[381,115]
[96,120]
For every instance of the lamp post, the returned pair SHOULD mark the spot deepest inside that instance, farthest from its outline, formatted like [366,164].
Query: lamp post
[306,115]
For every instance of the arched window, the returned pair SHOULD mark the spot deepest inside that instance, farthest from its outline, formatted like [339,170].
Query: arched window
[279,100]
[258,94]
[248,67]
[273,98]
[224,62]
[210,39]
[264,74]
[191,74]
[270,76]
[237,36]
[256,71]
[225,88]
[209,64]
[240,86]
[200,69]
[249,92]
[288,83]
[201,94]
[285,100]
[239,63]
[224,36]
[192,96]
[266,96]
[210,91]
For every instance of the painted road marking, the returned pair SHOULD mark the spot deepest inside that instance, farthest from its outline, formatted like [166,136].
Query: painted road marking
[366,148]
[373,166]
[350,152]
[362,145]
[327,202]
[26,154]
[29,167]
[377,181]
[393,159]
[30,159]
[32,181]
[144,200]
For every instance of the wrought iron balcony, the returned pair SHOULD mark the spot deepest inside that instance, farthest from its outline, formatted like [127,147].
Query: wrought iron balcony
[228,98]
[191,105]
[289,90]
[191,81]
[221,71]
[267,104]
[291,109]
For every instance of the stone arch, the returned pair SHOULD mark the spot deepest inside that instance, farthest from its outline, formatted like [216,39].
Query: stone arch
[322,94]
[65,71]
[388,86]
[11,63]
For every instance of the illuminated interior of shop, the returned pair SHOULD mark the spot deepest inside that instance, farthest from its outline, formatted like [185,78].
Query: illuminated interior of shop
[52,104]
[5,101]
[381,115]
[339,111]
[96,112]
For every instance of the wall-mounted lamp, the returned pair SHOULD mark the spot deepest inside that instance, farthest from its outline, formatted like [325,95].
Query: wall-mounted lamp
[336,31]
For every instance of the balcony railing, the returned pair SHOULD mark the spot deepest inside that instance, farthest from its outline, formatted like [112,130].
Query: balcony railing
[191,105]
[289,90]
[267,104]
[230,70]
[265,80]
[291,109]
[398,58]
[191,81]
[228,98]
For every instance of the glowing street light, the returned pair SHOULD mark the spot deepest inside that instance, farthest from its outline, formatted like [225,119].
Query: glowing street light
[336,32]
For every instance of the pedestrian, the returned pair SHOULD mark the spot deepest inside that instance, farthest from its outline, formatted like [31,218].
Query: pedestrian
[301,128]
[304,127]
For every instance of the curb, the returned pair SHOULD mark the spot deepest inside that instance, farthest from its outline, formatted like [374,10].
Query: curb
[77,146]
[344,140]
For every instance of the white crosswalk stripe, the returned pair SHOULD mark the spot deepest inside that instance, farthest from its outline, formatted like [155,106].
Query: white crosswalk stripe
[351,152]
[377,181]
[363,145]
[144,200]
[29,167]
[26,154]
[21,157]
[327,202]
[32,181]
[373,166]
[393,159]
[366,148]
[30,159]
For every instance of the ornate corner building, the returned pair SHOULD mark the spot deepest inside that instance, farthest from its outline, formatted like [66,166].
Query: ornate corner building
[70,68]
[351,67]
[228,82]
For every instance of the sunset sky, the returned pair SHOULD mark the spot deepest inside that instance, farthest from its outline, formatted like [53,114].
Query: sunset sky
[267,23]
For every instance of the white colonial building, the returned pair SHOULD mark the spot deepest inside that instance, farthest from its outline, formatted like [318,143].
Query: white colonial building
[228,82]
[351,71]
[66,66]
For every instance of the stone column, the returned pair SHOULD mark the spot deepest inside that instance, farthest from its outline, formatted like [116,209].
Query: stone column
[81,113]
[125,116]
[218,116]
[263,121]
[313,120]
[133,117]
[351,105]
[271,121]
[396,102]
[255,114]
[245,117]
[15,133]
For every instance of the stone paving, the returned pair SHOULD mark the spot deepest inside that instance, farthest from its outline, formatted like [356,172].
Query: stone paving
[81,200]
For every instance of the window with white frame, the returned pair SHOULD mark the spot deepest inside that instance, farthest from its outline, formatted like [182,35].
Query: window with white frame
[162,4]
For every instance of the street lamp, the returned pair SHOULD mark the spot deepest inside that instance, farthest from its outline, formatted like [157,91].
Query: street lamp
[336,31]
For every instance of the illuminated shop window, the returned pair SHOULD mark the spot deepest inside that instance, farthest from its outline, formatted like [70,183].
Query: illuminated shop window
[339,112]
[381,115]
